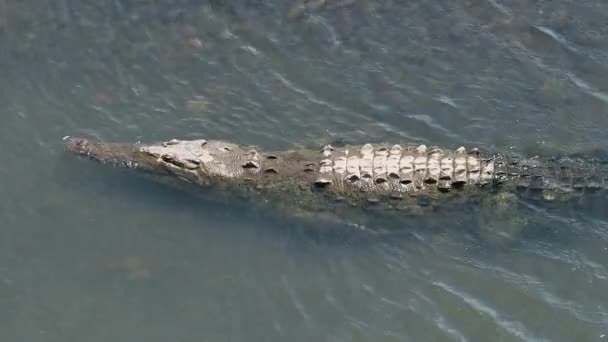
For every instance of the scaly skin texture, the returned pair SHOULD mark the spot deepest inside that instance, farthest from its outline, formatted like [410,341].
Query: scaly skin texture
[403,177]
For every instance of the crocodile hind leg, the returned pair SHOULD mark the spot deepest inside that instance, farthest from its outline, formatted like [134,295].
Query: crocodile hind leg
[500,218]
[375,218]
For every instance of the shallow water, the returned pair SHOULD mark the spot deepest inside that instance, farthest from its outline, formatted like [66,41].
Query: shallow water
[92,254]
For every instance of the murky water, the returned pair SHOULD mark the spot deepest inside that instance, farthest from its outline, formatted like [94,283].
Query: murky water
[91,254]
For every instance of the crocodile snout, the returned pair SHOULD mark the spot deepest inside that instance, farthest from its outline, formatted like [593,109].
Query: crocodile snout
[76,145]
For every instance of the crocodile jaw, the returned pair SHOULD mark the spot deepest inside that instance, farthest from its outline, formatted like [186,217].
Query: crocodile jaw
[120,155]
[198,161]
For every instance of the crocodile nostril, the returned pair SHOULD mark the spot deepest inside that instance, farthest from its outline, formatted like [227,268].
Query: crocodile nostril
[76,144]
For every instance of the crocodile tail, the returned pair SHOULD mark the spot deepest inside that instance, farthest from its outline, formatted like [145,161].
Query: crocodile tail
[567,174]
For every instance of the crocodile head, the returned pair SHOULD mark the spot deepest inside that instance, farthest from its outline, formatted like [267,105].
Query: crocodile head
[113,154]
[194,160]
[199,160]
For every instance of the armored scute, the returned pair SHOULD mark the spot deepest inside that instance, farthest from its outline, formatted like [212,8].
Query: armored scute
[391,176]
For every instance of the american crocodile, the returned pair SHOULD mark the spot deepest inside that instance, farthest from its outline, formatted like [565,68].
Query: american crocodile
[400,177]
